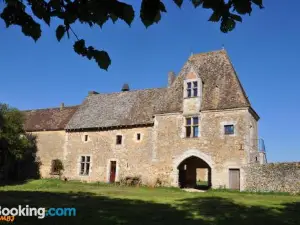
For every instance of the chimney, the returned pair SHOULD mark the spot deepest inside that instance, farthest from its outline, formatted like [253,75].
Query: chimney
[171,78]
[93,93]
[125,87]
[62,105]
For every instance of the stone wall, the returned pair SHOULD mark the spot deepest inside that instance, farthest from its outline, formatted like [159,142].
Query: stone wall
[159,151]
[50,146]
[276,177]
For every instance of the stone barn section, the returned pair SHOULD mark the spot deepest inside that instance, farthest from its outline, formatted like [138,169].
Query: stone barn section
[201,121]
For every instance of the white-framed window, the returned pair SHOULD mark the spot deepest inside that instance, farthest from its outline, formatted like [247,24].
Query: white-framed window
[229,129]
[192,89]
[85,165]
[192,126]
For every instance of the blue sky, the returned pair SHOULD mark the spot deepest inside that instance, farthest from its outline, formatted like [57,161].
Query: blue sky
[264,50]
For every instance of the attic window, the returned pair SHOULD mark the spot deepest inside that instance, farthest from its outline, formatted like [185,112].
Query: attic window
[86,138]
[192,89]
[138,136]
[119,140]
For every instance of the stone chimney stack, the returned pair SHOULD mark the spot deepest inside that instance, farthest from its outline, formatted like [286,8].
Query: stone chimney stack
[62,106]
[171,78]
[125,87]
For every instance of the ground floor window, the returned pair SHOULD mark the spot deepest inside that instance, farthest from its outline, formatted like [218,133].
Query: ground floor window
[85,165]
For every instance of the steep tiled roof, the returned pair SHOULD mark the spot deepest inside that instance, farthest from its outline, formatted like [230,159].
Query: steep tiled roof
[48,119]
[221,90]
[221,86]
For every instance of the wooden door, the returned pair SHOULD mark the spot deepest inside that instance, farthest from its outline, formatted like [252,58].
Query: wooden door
[113,166]
[234,179]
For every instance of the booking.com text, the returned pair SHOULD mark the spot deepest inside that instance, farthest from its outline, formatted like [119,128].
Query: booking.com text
[9,214]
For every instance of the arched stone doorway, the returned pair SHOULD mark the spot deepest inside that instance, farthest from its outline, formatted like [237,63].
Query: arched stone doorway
[194,173]
[187,167]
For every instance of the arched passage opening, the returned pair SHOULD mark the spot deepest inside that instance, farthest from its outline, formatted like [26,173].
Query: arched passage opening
[194,172]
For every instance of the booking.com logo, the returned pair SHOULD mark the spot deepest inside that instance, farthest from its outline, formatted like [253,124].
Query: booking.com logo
[9,214]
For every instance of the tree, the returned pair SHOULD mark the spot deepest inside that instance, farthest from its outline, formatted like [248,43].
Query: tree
[17,149]
[28,14]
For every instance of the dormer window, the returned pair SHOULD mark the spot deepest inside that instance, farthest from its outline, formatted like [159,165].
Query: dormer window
[192,89]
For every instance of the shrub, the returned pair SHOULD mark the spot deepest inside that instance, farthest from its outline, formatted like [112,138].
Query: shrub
[131,181]
[57,167]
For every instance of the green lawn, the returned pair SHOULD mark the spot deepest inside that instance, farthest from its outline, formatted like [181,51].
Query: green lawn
[103,204]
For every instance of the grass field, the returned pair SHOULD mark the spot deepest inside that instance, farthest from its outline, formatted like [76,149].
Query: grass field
[104,204]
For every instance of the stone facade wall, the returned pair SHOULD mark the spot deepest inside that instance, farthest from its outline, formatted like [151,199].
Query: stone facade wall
[50,146]
[159,152]
[277,177]
[223,151]
[133,157]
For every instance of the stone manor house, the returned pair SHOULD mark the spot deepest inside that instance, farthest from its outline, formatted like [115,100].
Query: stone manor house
[202,121]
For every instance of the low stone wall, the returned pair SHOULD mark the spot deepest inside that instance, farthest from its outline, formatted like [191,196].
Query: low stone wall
[273,177]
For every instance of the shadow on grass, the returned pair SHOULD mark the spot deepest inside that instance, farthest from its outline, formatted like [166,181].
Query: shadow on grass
[92,209]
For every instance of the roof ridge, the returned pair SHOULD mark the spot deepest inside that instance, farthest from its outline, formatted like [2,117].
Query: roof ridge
[118,92]
[40,109]
[204,53]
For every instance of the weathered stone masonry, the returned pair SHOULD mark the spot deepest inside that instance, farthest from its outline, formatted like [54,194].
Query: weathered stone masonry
[275,177]
[207,90]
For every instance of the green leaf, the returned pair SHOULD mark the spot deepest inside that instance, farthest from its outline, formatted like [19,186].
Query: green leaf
[215,17]
[227,25]
[162,7]
[102,59]
[178,2]
[79,47]
[196,3]
[55,4]
[242,6]
[113,17]
[122,11]
[151,11]
[259,3]
[236,17]
[60,32]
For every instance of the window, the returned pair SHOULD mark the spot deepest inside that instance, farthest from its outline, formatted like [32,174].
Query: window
[85,165]
[138,136]
[229,129]
[192,127]
[86,138]
[192,89]
[119,140]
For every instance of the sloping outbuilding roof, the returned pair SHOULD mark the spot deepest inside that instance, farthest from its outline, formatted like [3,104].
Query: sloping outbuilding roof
[48,119]
[221,90]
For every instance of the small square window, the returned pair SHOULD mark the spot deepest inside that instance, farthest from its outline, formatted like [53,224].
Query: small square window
[119,140]
[229,129]
[195,84]
[86,137]
[138,136]
[189,85]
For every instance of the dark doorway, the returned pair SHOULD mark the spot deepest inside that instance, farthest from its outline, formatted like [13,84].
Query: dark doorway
[113,166]
[234,179]
[194,173]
